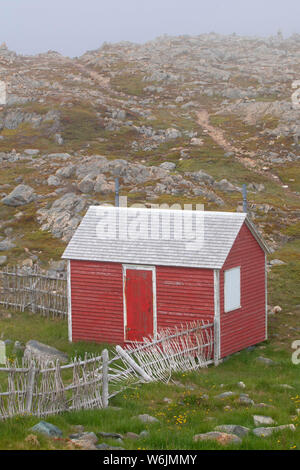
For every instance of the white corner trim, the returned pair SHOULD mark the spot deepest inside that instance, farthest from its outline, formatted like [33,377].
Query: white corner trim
[217,340]
[69,300]
[143,268]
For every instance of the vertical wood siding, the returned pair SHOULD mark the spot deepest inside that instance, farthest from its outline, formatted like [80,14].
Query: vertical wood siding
[245,326]
[97,301]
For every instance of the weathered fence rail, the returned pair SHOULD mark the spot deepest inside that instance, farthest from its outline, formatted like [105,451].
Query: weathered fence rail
[43,389]
[33,290]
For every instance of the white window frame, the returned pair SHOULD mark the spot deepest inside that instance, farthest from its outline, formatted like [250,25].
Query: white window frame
[235,307]
[143,268]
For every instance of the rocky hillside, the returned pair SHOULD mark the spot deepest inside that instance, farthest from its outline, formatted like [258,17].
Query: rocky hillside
[184,119]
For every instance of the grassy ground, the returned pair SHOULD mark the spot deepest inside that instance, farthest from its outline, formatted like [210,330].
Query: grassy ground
[189,411]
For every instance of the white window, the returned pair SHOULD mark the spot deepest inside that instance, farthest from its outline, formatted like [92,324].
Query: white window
[232,289]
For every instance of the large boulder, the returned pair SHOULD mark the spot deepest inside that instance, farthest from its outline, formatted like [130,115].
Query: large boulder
[266,432]
[63,217]
[6,245]
[168,166]
[20,196]
[43,352]
[222,438]
[226,186]
[86,185]
[66,171]
[104,187]
[236,429]
[47,429]
[172,133]
[258,420]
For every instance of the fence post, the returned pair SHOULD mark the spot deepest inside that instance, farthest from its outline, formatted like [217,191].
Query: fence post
[105,378]
[133,364]
[216,343]
[30,387]
[32,294]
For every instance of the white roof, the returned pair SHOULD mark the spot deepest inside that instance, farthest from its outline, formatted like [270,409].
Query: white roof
[165,237]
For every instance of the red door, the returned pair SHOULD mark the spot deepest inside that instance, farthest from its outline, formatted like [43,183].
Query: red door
[139,304]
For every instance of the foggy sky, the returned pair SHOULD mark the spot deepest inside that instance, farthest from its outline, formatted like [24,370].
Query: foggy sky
[73,26]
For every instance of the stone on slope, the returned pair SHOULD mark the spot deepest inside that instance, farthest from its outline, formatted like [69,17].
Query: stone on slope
[36,350]
[266,432]
[110,435]
[225,395]
[86,185]
[222,438]
[244,399]
[168,166]
[31,152]
[6,245]
[236,429]
[84,440]
[225,186]
[64,156]
[262,420]
[21,195]
[53,181]
[66,171]
[47,429]
[145,418]
[63,216]
[265,360]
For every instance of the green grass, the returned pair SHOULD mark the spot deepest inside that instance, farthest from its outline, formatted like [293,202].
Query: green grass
[188,413]
[80,124]
[290,175]
[129,83]
[28,237]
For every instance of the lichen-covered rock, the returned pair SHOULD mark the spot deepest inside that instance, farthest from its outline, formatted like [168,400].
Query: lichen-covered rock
[20,196]
[262,420]
[63,217]
[266,432]
[222,438]
[47,428]
[236,429]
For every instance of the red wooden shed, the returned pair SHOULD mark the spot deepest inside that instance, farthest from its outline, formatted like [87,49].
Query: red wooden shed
[134,271]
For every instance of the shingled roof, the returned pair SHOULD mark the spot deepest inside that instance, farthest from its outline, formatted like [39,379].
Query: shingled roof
[165,237]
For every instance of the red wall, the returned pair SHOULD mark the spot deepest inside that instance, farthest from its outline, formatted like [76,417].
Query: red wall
[97,301]
[183,295]
[245,326]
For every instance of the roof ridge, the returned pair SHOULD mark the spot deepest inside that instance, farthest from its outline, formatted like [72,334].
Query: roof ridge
[170,210]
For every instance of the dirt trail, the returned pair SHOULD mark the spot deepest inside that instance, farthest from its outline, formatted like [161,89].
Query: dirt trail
[216,134]
[103,81]
[244,157]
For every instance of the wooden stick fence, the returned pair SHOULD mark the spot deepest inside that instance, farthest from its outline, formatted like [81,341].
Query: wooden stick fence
[49,388]
[33,290]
